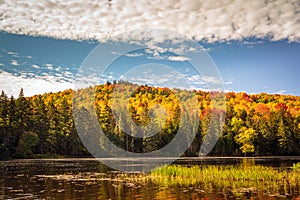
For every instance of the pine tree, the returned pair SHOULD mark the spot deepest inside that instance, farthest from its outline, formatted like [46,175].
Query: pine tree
[40,123]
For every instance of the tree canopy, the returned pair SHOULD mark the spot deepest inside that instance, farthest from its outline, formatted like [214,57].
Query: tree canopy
[258,124]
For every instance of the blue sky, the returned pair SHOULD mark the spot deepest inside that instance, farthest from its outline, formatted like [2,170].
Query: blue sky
[264,66]
[252,66]
[255,45]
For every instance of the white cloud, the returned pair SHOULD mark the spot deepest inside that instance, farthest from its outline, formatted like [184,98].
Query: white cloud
[50,67]
[14,63]
[281,92]
[156,75]
[201,80]
[1,64]
[128,54]
[133,54]
[196,79]
[198,19]
[228,83]
[252,42]
[12,84]
[178,58]
[212,80]
[36,66]
[115,53]
[14,54]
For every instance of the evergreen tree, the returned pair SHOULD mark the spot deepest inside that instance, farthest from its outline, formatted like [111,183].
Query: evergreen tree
[40,123]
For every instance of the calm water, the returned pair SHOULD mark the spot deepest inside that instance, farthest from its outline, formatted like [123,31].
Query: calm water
[89,179]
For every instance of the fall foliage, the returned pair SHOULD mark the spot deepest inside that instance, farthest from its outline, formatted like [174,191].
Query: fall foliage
[259,124]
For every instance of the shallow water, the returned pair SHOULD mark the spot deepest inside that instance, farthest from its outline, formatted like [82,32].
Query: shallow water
[89,179]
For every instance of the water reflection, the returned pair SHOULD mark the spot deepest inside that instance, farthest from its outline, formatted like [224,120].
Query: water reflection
[89,179]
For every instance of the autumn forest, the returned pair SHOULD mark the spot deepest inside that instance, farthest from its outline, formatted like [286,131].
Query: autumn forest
[255,125]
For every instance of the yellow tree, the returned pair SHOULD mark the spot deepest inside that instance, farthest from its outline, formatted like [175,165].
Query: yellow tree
[245,139]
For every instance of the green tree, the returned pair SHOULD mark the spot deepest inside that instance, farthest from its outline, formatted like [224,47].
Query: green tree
[27,143]
[53,131]
[40,123]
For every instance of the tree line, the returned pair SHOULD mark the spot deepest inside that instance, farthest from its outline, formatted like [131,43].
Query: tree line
[43,125]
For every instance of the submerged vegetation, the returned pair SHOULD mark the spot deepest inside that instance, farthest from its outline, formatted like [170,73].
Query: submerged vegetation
[259,124]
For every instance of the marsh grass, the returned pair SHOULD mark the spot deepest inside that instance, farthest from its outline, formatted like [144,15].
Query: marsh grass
[239,179]
[296,166]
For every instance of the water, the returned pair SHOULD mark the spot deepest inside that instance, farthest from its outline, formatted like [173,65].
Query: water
[89,179]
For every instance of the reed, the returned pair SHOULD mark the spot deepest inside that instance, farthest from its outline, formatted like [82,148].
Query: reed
[237,178]
[296,166]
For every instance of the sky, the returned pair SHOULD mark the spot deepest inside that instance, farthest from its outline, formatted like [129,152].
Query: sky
[251,46]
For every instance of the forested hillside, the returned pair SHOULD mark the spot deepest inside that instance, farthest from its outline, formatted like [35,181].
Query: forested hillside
[260,124]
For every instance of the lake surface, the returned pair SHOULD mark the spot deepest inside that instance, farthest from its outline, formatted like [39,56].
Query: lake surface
[89,179]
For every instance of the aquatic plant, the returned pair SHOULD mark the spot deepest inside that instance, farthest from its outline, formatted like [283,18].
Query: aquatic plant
[296,166]
[236,179]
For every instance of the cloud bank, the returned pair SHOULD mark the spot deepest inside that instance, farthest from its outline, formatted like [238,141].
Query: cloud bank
[12,84]
[220,20]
